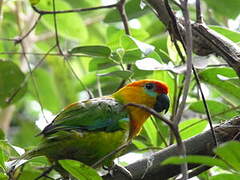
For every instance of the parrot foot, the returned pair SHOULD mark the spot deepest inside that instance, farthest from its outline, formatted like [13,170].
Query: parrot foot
[118,169]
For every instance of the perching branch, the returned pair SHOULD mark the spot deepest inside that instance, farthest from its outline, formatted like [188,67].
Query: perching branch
[202,144]
[174,128]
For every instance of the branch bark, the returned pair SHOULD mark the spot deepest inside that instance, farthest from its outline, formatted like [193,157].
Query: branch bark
[205,40]
[202,144]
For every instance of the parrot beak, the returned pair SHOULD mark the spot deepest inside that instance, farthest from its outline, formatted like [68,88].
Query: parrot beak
[162,103]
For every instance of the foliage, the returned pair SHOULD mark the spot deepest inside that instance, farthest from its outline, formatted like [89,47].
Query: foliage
[98,52]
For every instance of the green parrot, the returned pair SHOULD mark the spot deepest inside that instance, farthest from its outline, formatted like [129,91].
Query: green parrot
[89,130]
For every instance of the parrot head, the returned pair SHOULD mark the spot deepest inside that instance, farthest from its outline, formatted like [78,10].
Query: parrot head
[150,93]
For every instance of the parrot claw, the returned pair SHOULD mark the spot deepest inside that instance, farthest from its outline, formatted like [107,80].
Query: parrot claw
[120,169]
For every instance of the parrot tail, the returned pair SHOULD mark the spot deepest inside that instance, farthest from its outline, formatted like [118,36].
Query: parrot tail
[13,165]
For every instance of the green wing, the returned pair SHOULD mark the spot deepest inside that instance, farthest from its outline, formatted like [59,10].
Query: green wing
[98,114]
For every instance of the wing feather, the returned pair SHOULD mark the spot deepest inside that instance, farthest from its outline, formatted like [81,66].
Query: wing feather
[98,114]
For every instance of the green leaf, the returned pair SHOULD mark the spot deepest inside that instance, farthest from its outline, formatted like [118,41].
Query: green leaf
[3,176]
[172,51]
[2,135]
[100,63]
[120,74]
[192,127]
[26,129]
[131,56]
[226,8]
[3,158]
[70,25]
[229,152]
[215,108]
[228,90]
[205,160]
[34,2]
[130,43]
[139,144]
[47,90]
[8,150]
[114,33]
[133,10]
[11,80]
[80,170]
[98,51]
[151,131]
[232,35]
[225,176]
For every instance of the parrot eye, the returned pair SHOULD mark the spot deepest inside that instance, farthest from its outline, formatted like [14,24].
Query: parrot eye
[149,86]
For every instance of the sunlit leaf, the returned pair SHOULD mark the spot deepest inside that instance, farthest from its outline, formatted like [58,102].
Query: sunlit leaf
[225,176]
[130,43]
[206,160]
[72,29]
[139,144]
[151,131]
[228,90]
[229,152]
[79,170]
[233,35]
[191,127]
[215,108]
[3,176]
[34,2]
[172,51]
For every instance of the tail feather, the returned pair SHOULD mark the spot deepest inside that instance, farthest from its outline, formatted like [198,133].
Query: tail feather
[13,165]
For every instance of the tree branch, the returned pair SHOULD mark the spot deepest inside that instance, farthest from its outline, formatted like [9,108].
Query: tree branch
[205,41]
[202,144]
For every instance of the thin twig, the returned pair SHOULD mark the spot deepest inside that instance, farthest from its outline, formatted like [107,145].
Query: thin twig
[20,39]
[56,29]
[42,54]
[205,105]
[121,9]
[188,49]
[43,12]
[45,173]
[90,94]
[34,82]
[199,18]
[174,26]
[188,43]
[7,39]
[122,12]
